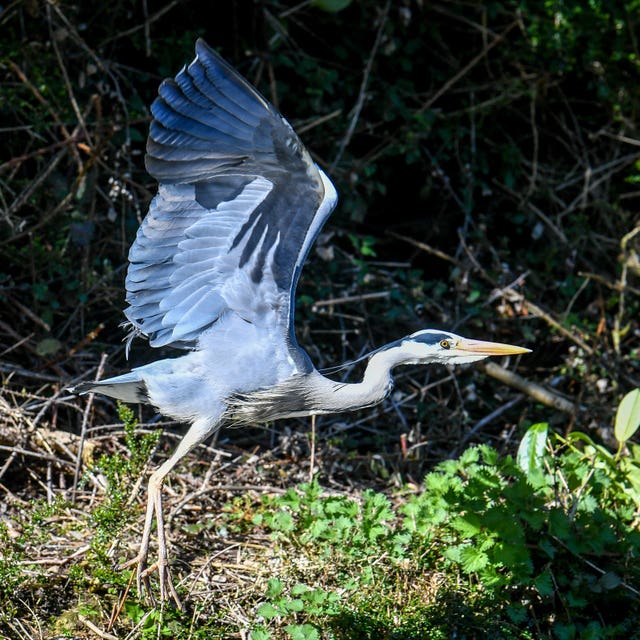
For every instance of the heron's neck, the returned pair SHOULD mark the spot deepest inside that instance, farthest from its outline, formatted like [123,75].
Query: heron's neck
[376,384]
[313,394]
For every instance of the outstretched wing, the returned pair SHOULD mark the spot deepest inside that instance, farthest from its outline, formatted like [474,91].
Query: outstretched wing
[239,204]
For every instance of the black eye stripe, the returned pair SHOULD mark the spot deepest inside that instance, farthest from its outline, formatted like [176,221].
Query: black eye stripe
[432,338]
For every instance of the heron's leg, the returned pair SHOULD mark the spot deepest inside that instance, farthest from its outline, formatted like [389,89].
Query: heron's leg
[198,432]
[143,553]
[154,505]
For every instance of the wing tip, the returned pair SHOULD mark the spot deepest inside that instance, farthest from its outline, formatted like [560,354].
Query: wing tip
[203,47]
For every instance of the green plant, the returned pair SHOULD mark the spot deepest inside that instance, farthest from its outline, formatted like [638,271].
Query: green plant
[121,472]
[545,541]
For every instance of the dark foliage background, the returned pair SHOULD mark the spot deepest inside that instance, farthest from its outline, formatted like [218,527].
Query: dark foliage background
[487,158]
[503,134]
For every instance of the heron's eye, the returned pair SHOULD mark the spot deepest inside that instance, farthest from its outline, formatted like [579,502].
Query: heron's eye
[445,344]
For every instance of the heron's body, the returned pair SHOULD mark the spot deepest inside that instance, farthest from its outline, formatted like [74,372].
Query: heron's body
[214,269]
[236,357]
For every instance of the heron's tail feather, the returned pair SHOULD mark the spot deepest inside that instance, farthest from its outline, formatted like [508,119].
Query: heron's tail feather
[128,387]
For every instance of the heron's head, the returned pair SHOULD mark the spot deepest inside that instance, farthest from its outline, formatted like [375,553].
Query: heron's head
[432,345]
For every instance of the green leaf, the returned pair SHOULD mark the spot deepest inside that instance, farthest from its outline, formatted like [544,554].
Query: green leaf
[517,612]
[473,296]
[282,521]
[260,633]
[274,588]
[628,416]
[295,604]
[468,525]
[268,611]
[48,346]
[472,559]
[580,437]
[302,632]
[531,450]
[299,589]
[544,584]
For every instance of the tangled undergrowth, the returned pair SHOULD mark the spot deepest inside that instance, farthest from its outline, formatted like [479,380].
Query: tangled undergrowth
[490,189]
[546,542]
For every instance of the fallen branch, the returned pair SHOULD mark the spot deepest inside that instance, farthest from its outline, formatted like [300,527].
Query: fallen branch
[536,391]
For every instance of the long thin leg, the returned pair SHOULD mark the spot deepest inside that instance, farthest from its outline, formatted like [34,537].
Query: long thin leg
[161,565]
[199,431]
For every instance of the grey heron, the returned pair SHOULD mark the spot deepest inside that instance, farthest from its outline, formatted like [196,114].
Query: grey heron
[213,271]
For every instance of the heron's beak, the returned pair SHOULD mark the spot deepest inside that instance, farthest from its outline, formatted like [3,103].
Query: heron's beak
[484,348]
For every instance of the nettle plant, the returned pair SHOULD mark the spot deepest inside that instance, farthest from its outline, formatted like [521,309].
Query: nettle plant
[546,541]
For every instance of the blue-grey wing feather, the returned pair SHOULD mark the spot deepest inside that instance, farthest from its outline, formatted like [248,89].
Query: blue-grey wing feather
[239,205]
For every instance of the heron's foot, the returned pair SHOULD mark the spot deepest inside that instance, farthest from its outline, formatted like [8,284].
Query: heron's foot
[142,574]
[167,589]
[143,571]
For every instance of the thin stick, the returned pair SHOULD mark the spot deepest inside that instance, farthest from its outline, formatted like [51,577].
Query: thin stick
[616,286]
[300,129]
[69,89]
[346,299]
[12,456]
[424,247]
[467,67]
[312,459]
[489,418]
[363,88]
[617,323]
[95,629]
[536,210]
[83,432]
[34,454]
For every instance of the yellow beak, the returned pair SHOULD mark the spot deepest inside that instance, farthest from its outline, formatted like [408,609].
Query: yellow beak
[484,348]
